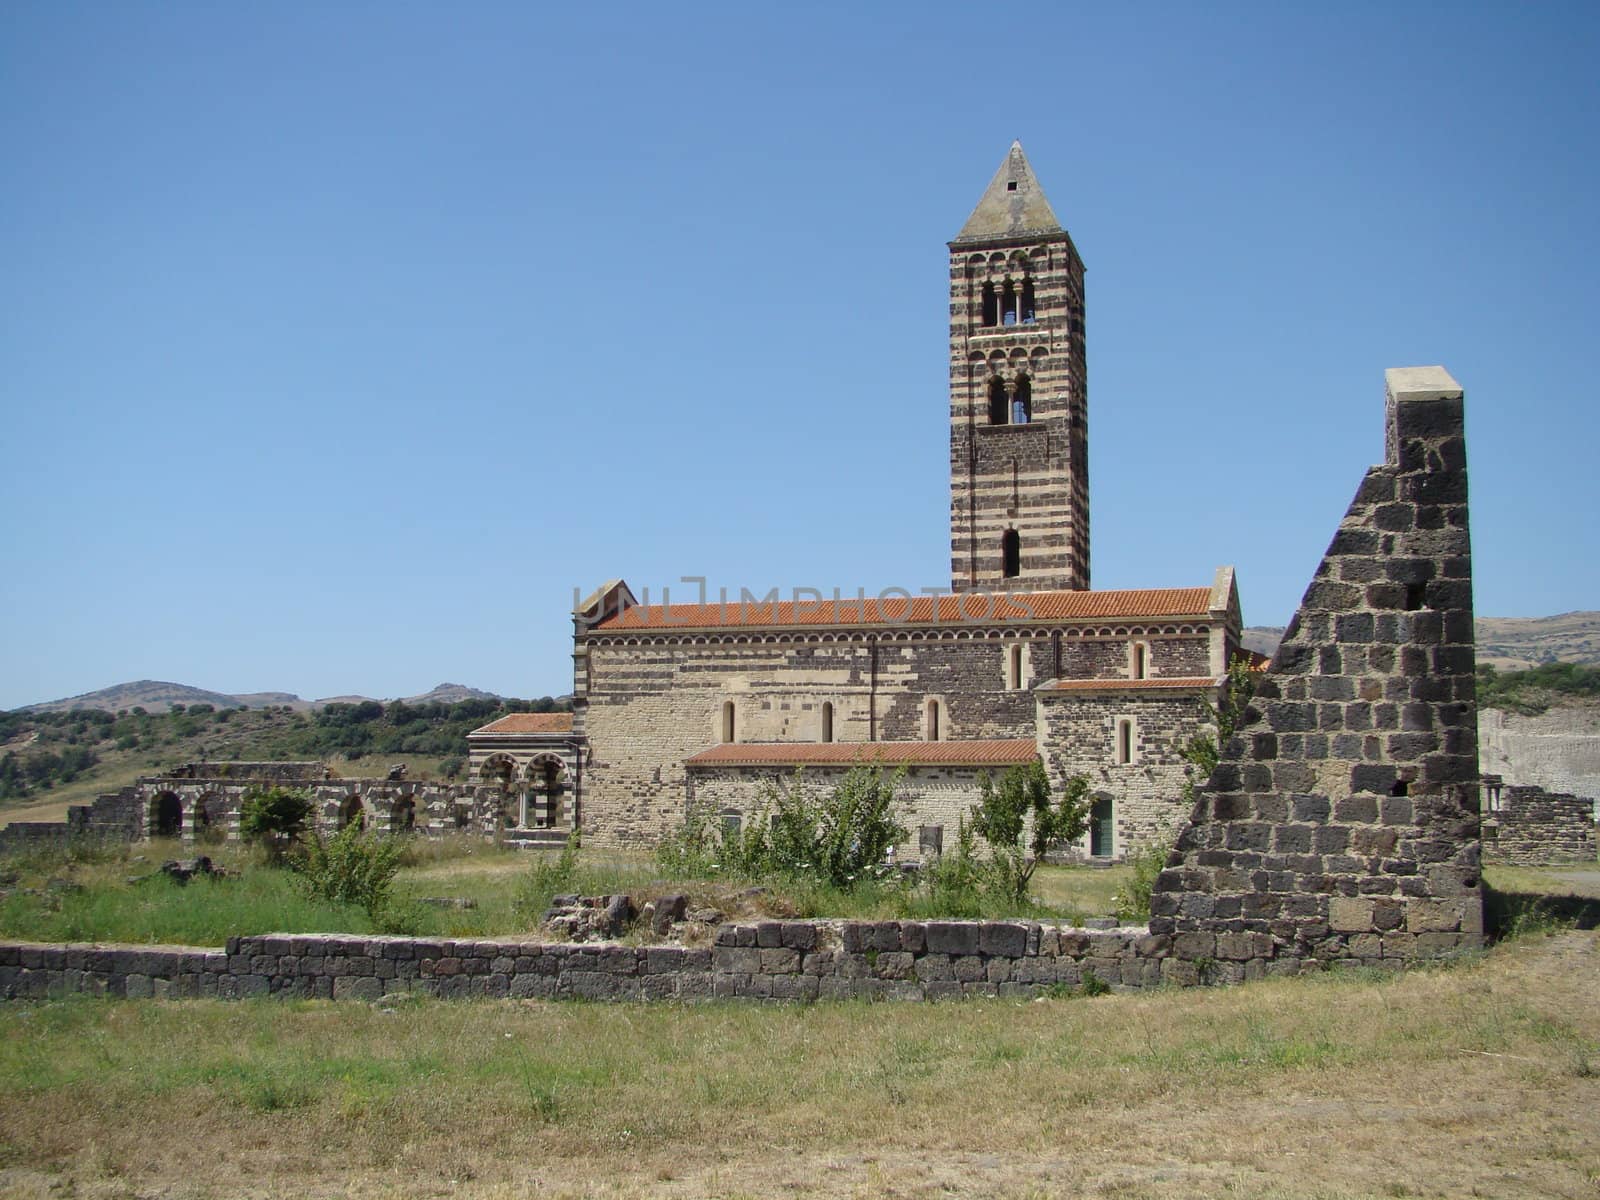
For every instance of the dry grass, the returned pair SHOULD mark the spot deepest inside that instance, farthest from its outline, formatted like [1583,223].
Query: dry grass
[1479,1080]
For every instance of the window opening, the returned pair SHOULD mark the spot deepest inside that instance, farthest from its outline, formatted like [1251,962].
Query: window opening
[1124,742]
[1010,554]
[1022,401]
[997,401]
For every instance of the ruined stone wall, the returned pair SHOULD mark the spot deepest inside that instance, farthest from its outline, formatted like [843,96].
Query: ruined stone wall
[1342,821]
[1078,736]
[767,960]
[1531,827]
[210,808]
[927,797]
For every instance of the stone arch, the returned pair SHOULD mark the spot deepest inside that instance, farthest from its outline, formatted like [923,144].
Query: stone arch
[164,816]
[208,818]
[498,770]
[543,802]
[403,815]
[352,812]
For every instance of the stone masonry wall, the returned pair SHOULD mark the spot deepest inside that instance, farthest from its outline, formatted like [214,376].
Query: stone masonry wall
[1342,821]
[1077,734]
[650,703]
[767,960]
[1534,828]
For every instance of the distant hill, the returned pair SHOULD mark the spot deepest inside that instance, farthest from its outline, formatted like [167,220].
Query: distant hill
[1516,643]
[157,696]
[1509,643]
[152,695]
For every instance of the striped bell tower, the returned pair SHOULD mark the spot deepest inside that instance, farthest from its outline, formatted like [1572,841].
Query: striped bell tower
[1019,451]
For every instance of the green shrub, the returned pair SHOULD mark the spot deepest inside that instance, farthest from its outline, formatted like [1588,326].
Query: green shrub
[953,882]
[1147,861]
[693,850]
[276,817]
[352,867]
[547,879]
[837,837]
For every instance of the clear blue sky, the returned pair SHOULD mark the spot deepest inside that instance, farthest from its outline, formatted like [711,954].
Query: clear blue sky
[339,343]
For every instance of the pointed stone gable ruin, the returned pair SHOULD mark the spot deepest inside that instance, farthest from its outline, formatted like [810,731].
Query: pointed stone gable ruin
[1342,819]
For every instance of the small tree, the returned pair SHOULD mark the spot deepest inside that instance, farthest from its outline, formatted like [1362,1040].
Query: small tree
[353,867]
[1203,751]
[1020,823]
[275,816]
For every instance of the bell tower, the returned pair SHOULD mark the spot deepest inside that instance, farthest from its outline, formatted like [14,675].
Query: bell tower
[1019,451]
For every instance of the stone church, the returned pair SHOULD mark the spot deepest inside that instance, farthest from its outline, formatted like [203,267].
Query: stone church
[698,706]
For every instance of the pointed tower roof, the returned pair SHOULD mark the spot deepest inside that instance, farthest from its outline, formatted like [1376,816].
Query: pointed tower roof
[1013,205]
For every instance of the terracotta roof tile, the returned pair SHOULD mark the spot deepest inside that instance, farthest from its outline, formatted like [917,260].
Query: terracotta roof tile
[1130,685]
[974,608]
[972,754]
[529,723]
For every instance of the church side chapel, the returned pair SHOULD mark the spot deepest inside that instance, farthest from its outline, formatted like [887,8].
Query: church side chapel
[696,707]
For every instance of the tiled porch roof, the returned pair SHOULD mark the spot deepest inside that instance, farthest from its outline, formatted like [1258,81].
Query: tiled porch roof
[957,754]
[528,723]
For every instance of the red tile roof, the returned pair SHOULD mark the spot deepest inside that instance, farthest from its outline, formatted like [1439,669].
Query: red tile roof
[1129,685]
[970,754]
[529,723]
[974,608]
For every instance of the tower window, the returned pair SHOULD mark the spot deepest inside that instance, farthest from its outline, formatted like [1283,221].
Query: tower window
[1022,401]
[1010,554]
[827,721]
[1027,302]
[997,401]
[1008,304]
[727,720]
[1014,667]
[1140,663]
[933,722]
[1011,185]
[991,306]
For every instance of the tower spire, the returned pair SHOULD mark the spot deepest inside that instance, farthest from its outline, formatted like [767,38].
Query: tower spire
[1012,205]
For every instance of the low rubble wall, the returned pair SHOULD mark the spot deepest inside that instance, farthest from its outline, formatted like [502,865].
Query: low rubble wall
[765,960]
[1530,827]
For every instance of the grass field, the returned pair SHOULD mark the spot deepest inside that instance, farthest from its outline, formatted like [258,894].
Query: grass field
[1478,1080]
[97,900]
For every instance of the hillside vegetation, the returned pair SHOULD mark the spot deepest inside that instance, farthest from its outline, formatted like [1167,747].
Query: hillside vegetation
[1535,690]
[71,756]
